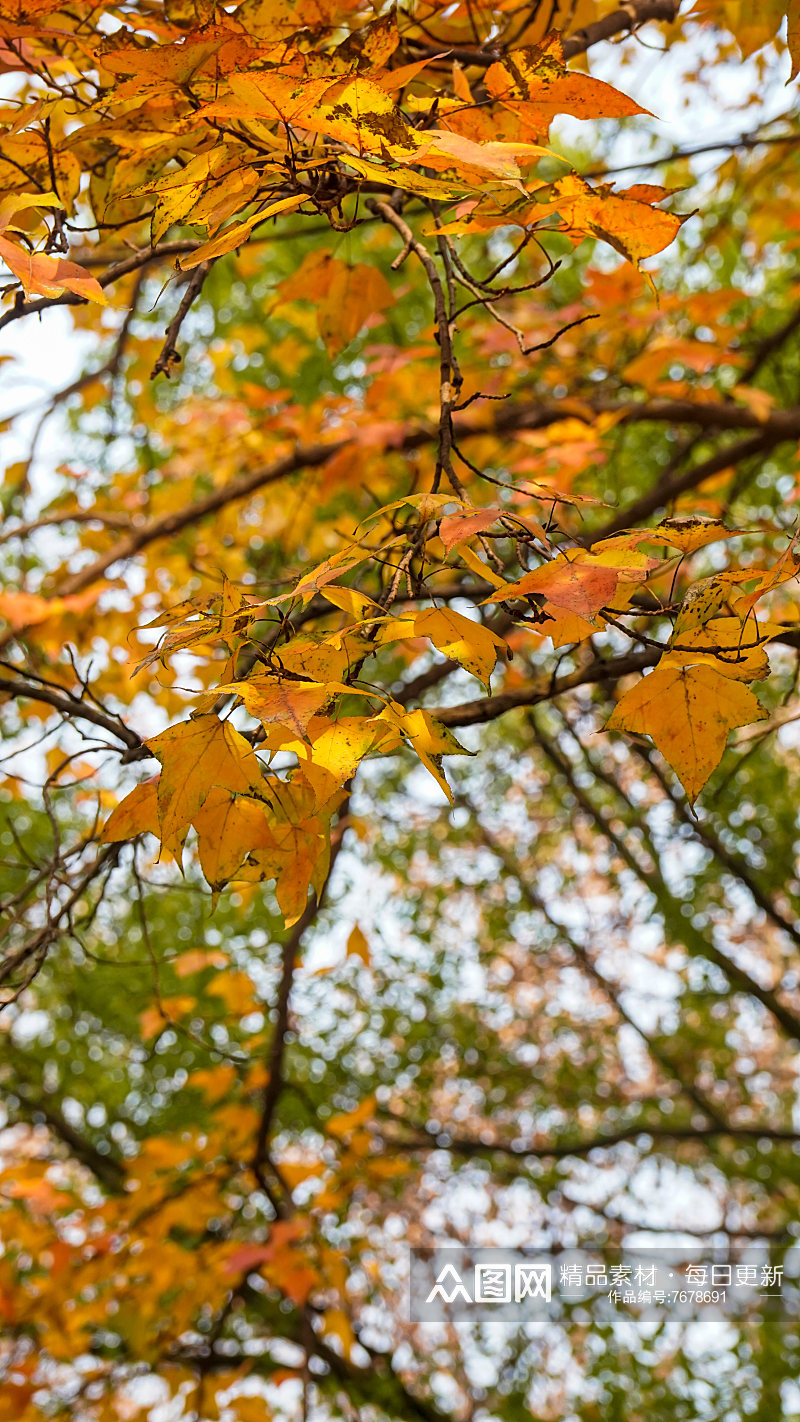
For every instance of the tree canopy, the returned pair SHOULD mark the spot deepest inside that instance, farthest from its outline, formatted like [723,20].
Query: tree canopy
[399,694]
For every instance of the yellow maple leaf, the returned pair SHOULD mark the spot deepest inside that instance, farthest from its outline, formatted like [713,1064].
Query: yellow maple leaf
[336,1321]
[706,598]
[251,1408]
[734,647]
[136,814]
[287,703]
[228,827]
[239,233]
[687,712]
[336,752]
[426,736]
[195,756]
[462,639]
[237,991]
[359,113]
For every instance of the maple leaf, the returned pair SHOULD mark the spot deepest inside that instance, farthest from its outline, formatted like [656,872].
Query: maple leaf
[732,645]
[43,275]
[358,112]
[252,1408]
[535,85]
[335,752]
[564,627]
[344,296]
[286,703]
[687,712]
[334,567]
[631,226]
[136,814]
[785,570]
[195,756]
[430,740]
[705,599]
[284,1263]
[336,1321]
[237,991]
[228,827]
[239,232]
[455,529]
[24,609]
[444,149]
[461,638]
[686,534]
[579,587]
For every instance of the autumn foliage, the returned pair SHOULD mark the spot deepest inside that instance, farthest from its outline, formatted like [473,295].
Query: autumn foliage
[399,669]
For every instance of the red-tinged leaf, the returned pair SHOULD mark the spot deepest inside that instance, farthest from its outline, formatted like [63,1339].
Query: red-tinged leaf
[43,275]
[22,609]
[196,960]
[535,85]
[392,80]
[580,588]
[344,296]
[27,11]
[786,568]
[246,1257]
[633,228]
[457,528]
[445,150]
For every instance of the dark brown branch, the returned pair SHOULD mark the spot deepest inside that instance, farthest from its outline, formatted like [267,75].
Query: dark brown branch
[620,22]
[546,688]
[169,356]
[70,706]
[448,386]
[560,1150]
[54,520]
[780,425]
[275,1083]
[105,1168]
[119,269]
